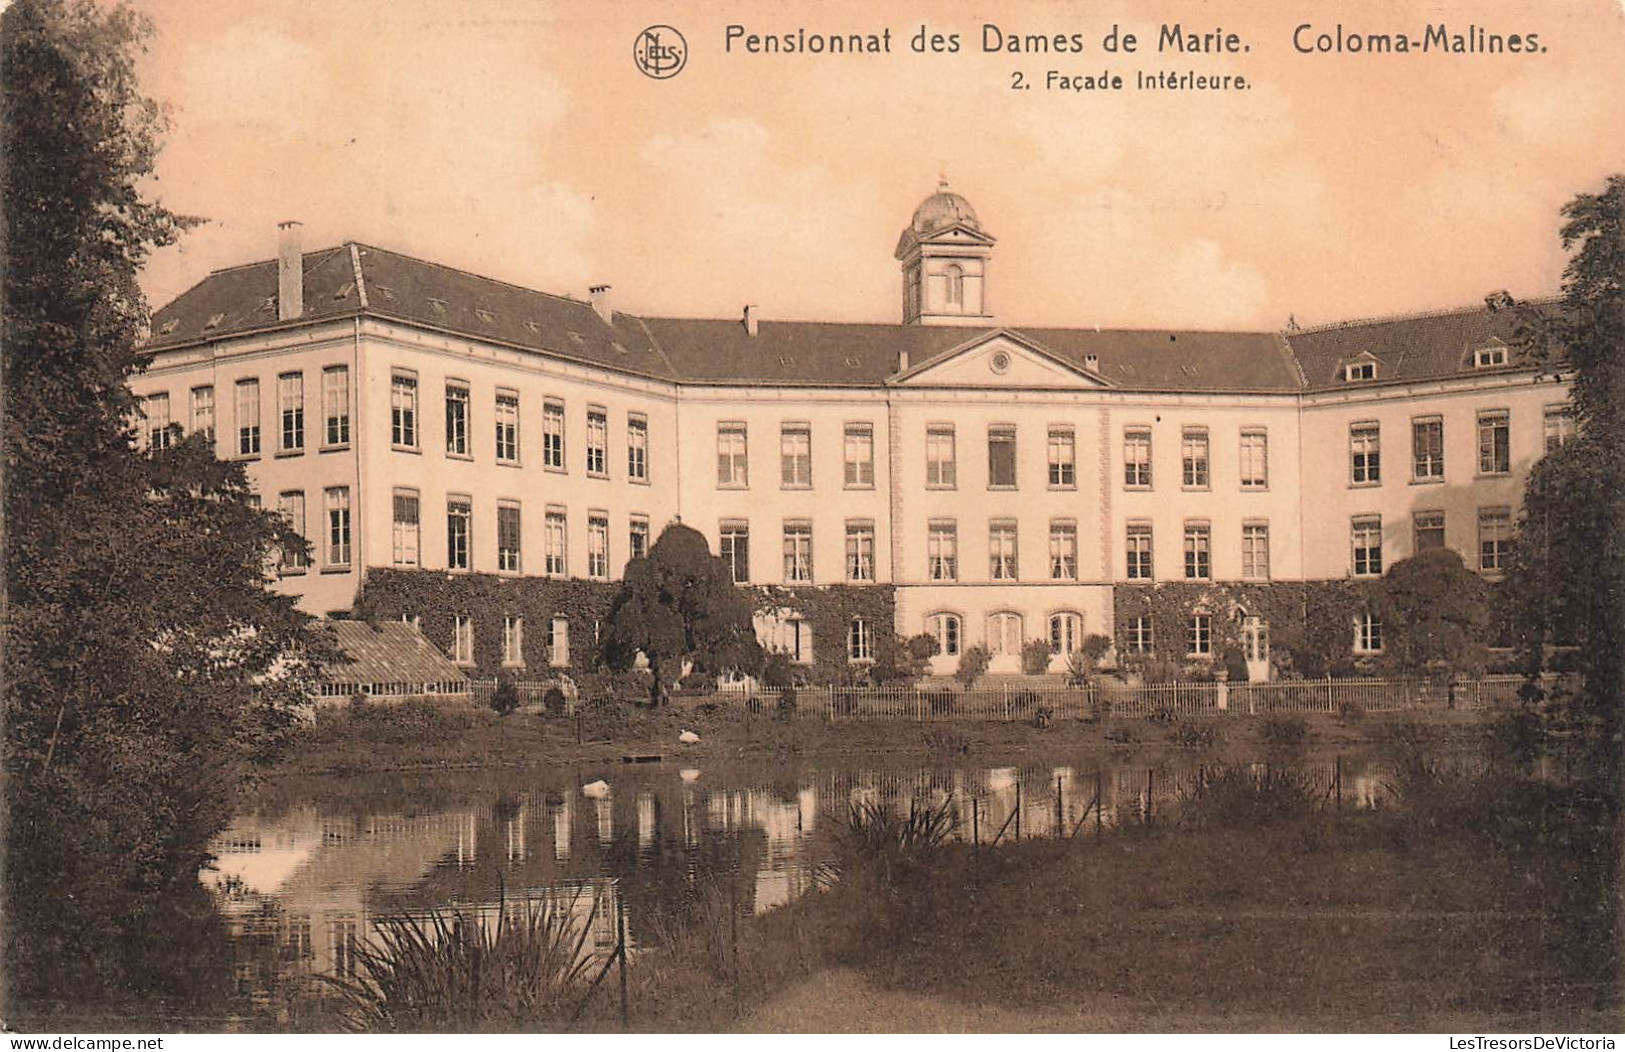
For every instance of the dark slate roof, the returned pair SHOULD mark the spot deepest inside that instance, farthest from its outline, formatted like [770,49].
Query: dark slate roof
[1419,347]
[697,350]
[388,652]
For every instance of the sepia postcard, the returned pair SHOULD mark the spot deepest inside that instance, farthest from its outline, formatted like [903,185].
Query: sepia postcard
[730,516]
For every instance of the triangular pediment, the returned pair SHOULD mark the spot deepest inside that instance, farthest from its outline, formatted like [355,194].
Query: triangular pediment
[1001,358]
[953,234]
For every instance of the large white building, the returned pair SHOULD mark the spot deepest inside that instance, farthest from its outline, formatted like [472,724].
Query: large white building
[480,457]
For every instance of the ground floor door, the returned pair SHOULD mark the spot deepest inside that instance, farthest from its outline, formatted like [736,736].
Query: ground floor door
[1004,639]
[1255,647]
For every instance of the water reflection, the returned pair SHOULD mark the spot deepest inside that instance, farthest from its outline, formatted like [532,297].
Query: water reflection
[300,886]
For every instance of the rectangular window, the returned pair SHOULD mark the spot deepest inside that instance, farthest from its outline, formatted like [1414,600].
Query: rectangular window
[403,410]
[558,642]
[1427,448]
[598,546]
[1063,550]
[637,448]
[637,537]
[156,408]
[733,466]
[462,639]
[1137,458]
[1494,443]
[513,641]
[507,427]
[795,456]
[290,399]
[336,405]
[1429,529]
[734,547]
[1367,634]
[1494,538]
[941,468]
[797,552]
[942,551]
[1255,551]
[1193,452]
[553,436]
[1003,563]
[1001,457]
[203,412]
[554,543]
[248,418]
[859,456]
[1366,532]
[860,551]
[457,419]
[292,507]
[1198,551]
[1063,458]
[1139,638]
[1559,426]
[1139,551]
[338,526]
[406,533]
[860,640]
[509,533]
[1199,636]
[598,443]
[1255,459]
[459,533]
[1365,454]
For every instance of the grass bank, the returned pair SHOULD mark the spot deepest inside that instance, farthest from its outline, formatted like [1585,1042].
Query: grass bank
[424,736]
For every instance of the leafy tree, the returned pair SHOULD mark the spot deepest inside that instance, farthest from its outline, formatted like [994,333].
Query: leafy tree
[973,662]
[1435,615]
[1567,576]
[678,604]
[145,667]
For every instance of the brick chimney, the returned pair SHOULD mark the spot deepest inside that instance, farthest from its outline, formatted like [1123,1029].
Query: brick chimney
[750,318]
[902,361]
[600,303]
[290,271]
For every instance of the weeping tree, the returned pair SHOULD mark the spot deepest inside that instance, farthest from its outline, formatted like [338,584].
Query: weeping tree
[678,605]
[147,666]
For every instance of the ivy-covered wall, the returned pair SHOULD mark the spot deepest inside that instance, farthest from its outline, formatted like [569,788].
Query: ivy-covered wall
[1311,624]
[437,597]
[828,611]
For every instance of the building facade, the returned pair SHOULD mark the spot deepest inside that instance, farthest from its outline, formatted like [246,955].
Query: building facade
[485,459]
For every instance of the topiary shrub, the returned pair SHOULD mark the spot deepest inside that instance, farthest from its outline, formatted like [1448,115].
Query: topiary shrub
[554,701]
[973,663]
[1035,655]
[505,699]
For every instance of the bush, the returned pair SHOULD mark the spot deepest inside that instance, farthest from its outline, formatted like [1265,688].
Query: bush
[1122,734]
[973,662]
[1196,736]
[1350,712]
[554,701]
[460,972]
[1035,655]
[1242,797]
[1283,730]
[698,683]
[946,742]
[505,699]
[1043,716]
[787,702]
[778,671]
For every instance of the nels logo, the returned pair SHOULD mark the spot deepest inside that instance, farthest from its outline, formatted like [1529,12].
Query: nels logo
[660,52]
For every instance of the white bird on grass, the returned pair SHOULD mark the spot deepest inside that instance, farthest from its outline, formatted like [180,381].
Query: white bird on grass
[596,790]
[688,737]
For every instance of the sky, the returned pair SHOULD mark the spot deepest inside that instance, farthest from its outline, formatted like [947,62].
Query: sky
[518,139]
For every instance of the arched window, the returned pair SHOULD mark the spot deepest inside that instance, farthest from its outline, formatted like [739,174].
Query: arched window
[956,285]
[948,631]
[1004,633]
[1066,632]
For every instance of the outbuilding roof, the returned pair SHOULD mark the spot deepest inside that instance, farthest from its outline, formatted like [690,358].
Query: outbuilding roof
[387,652]
[361,280]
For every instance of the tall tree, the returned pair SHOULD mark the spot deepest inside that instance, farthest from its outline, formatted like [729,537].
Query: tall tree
[147,665]
[1435,615]
[678,604]
[1567,579]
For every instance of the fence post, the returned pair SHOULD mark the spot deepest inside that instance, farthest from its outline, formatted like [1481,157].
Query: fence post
[975,822]
[620,924]
[1018,803]
[1005,690]
[1060,811]
[1098,804]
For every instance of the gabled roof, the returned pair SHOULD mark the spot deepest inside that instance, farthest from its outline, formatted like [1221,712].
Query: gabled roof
[240,300]
[387,652]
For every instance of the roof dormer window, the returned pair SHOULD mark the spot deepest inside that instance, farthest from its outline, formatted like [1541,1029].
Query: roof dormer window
[1360,369]
[1490,355]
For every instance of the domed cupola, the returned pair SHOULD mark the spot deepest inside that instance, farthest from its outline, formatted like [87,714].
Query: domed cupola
[945,253]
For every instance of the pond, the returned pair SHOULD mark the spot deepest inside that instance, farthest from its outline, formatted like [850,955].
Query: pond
[305,874]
